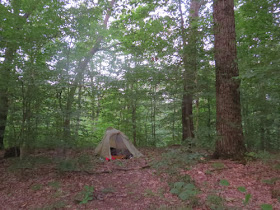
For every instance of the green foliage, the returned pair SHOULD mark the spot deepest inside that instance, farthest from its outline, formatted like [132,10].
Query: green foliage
[250,156]
[215,202]
[84,162]
[177,158]
[85,195]
[185,191]
[149,193]
[172,161]
[247,198]
[134,81]
[218,165]
[271,181]
[21,164]
[224,182]
[241,189]
[67,165]
[256,28]
[266,206]
[262,155]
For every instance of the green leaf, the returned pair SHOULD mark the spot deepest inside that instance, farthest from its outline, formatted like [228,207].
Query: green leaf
[266,206]
[179,185]
[190,187]
[89,188]
[86,195]
[247,198]
[270,181]
[241,189]
[224,182]
[184,195]
[175,191]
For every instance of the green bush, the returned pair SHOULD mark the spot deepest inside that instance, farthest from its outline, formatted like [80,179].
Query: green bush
[262,155]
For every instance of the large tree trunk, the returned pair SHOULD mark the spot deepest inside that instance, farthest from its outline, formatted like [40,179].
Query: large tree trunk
[187,118]
[5,72]
[230,143]
[3,114]
[190,66]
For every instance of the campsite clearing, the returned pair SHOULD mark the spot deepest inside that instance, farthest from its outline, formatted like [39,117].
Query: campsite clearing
[84,181]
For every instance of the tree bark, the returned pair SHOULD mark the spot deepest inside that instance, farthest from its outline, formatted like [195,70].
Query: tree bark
[153,113]
[5,72]
[133,118]
[190,66]
[4,85]
[230,143]
[209,117]
[4,107]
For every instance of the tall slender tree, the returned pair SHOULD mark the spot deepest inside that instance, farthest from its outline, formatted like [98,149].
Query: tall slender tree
[4,98]
[9,48]
[190,66]
[22,31]
[230,143]
[80,74]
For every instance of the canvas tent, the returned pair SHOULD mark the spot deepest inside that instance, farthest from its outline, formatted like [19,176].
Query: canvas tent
[114,138]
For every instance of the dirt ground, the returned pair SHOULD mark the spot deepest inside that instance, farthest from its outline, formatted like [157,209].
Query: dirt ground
[40,183]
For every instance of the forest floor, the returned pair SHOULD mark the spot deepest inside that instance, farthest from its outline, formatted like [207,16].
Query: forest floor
[170,178]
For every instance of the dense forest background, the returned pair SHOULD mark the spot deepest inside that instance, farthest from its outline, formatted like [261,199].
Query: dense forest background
[70,69]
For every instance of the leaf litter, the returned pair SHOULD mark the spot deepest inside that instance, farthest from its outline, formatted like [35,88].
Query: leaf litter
[129,184]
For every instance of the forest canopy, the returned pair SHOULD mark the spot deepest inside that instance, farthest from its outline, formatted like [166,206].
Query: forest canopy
[70,69]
